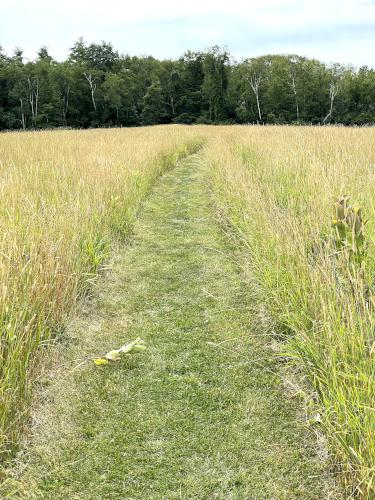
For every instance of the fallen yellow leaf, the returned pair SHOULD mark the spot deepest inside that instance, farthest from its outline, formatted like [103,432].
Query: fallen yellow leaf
[101,361]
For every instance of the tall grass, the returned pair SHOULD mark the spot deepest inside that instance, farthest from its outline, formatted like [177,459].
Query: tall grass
[67,195]
[277,188]
[64,197]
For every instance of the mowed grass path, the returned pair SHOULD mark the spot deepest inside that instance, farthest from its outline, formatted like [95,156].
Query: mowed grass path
[185,418]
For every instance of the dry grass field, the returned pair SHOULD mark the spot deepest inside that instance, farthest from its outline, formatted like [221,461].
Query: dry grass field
[297,202]
[313,257]
[64,196]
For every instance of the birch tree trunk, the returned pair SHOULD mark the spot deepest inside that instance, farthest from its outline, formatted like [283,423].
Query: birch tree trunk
[91,81]
[294,88]
[333,89]
[23,116]
[33,98]
[255,83]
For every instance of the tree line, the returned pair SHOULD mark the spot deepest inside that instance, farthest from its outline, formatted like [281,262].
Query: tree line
[96,86]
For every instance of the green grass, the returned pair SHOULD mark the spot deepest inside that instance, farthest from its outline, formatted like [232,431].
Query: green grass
[189,417]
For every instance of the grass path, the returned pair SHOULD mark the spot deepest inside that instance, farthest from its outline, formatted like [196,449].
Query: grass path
[184,419]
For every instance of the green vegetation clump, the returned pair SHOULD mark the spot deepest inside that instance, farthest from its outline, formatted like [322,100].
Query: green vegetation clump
[349,229]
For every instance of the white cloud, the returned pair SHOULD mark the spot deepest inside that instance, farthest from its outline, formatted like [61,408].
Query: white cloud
[340,30]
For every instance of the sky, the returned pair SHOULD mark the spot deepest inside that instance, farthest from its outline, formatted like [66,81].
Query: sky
[330,30]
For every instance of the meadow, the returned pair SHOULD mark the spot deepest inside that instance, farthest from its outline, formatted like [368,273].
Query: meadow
[296,202]
[65,197]
[284,192]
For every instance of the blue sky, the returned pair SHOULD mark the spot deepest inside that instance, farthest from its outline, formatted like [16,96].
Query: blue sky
[330,30]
